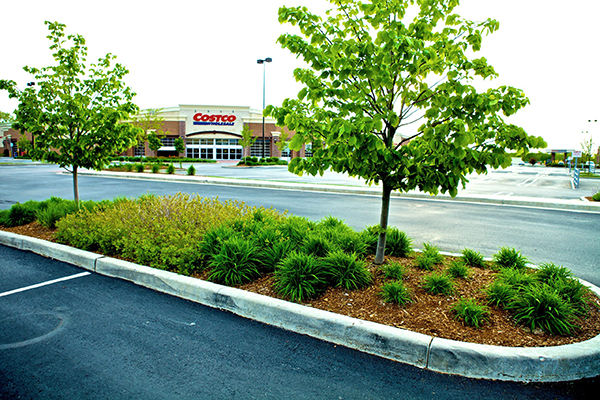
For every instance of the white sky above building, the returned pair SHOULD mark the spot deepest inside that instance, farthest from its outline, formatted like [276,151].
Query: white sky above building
[205,52]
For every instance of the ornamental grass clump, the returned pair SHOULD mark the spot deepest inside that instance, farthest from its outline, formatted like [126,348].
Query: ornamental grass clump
[171,169]
[395,292]
[458,269]
[191,170]
[548,272]
[235,263]
[518,279]
[213,240]
[50,215]
[432,252]
[394,270]
[300,277]
[317,244]
[542,307]
[346,271]
[422,261]
[566,285]
[139,167]
[155,168]
[352,242]
[510,258]
[296,228]
[471,312]
[21,214]
[500,294]
[397,243]
[438,283]
[473,258]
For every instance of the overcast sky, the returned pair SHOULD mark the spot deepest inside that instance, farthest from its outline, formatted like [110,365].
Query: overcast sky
[205,52]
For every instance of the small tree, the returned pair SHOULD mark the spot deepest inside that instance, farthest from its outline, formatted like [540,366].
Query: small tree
[390,99]
[77,115]
[152,124]
[247,138]
[154,142]
[179,148]
[587,147]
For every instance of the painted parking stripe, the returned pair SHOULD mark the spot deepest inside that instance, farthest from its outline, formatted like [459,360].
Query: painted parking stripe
[66,278]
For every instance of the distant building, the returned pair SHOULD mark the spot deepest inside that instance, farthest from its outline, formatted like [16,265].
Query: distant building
[214,132]
[209,132]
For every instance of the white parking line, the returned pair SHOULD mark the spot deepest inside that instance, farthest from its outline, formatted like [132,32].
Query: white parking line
[66,278]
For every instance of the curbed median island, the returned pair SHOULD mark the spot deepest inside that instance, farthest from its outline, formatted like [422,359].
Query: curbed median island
[345,301]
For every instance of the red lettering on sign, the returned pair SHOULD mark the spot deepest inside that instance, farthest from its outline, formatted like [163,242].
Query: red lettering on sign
[214,118]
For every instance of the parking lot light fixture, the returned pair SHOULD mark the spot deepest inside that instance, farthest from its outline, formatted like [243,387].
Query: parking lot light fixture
[264,62]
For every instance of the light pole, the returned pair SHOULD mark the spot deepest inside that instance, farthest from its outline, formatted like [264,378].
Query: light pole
[263,62]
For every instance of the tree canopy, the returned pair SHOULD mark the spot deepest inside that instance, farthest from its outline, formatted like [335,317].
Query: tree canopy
[77,114]
[389,96]
[5,117]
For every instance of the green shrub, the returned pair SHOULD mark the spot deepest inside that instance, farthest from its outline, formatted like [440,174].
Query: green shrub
[596,197]
[423,261]
[510,258]
[271,256]
[236,263]
[458,269]
[500,293]
[331,222]
[352,242]
[548,272]
[517,279]
[171,169]
[21,213]
[471,312]
[397,243]
[432,252]
[394,270]
[438,283]
[128,167]
[213,240]
[473,258]
[147,230]
[51,214]
[317,245]
[370,236]
[395,292]
[4,221]
[299,277]
[572,291]
[345,271]
[139,167]
[566,285]
[155,168]
[191,170]
[295,229]
[542,307]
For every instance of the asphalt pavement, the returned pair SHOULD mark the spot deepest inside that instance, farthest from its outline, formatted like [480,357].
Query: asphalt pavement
[350,185]
[65,334]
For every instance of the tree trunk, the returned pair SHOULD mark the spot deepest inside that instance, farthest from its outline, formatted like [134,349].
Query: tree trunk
[383,223]
[75,186]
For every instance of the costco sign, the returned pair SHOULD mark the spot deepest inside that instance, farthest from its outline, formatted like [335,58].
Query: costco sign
[214,119]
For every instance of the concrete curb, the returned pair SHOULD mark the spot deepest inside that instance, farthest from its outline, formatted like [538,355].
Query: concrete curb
[558,204]
[539,364]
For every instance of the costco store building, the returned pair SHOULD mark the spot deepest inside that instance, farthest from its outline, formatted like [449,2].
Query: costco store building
[215,132]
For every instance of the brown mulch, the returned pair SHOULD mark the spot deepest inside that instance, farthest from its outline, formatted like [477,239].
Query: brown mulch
[427,314]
